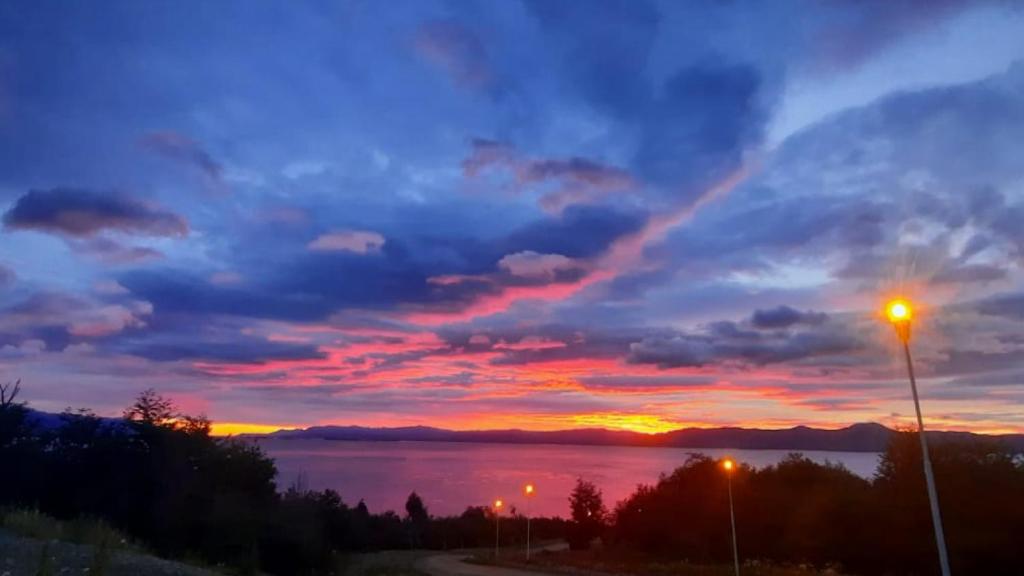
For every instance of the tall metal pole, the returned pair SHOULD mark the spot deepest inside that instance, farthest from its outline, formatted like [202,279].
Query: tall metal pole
[933,496]
[527,530]
[497,532]
[732,520]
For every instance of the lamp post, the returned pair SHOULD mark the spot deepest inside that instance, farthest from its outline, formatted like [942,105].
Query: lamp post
[729,466]
[900,313]
[497,525]
[528,490]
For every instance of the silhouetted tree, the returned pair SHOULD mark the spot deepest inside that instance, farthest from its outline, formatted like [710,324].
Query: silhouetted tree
[979,483]
[12,414]
[417,519]
[151,409]
[588,514]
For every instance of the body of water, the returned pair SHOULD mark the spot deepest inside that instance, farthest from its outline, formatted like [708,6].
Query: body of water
[452,475]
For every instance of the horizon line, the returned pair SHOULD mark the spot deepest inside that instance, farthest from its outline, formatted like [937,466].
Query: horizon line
[226,429]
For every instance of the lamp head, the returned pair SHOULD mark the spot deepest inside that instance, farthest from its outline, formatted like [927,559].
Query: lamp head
[728,465]
[899,310]
[528,489]
[900,313]
[498,504]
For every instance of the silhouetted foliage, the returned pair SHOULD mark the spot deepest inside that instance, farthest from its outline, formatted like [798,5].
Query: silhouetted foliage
[160,477]
[417,518]
[798,511]
[150,409]
[980,486]
[588,514]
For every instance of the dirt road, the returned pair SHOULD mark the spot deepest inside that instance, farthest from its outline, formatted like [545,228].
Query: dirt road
[452,565]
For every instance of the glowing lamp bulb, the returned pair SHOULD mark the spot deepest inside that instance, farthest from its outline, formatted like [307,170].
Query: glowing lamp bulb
[498,504]
[898,311]
[728,465]
[529,489]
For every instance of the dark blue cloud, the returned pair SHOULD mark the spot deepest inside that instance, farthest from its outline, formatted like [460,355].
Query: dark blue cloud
[784,317]
[809,336]
[697,350]
[307,285]
[183,149]
[81,212]
[698,128]
[1008,305]
[175,291]
[580,232]
[239,350]
[605,48]
[55,338]
[969,273]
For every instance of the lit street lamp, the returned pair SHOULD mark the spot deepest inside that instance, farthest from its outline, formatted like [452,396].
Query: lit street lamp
[497,525]
[900,314]
[528,490]
[729,466]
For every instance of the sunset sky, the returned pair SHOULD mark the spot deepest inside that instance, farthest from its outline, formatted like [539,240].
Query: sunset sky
[504,214]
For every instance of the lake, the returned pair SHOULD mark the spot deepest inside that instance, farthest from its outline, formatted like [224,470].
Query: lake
[450,475]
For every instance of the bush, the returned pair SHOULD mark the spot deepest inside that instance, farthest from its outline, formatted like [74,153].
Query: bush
[31,524]
[82,530]
[802,512]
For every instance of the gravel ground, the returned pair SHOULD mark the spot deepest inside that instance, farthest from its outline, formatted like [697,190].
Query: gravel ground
[26,557]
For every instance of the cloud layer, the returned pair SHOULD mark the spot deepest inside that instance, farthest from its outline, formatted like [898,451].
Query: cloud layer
[530,214]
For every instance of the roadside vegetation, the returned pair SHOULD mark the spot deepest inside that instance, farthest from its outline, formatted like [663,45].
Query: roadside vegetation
[155,480]
[157,477]
[800,515]
[32,543]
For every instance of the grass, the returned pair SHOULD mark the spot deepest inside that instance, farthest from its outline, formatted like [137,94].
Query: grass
[600,562]
[85,531]
[33,543]
[388,563]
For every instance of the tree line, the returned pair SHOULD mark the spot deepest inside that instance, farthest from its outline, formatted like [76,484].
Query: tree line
[158,476]
[801,512]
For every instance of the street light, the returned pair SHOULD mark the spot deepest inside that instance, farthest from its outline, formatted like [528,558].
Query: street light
[729,466]
[900,313]
[497,525]
[528,490]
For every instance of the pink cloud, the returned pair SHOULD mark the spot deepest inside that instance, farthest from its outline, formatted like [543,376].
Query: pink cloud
[530,264]
[226,278]
[530,343]
[455,49]
[356,241]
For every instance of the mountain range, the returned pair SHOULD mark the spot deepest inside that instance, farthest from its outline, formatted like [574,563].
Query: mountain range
[867,437]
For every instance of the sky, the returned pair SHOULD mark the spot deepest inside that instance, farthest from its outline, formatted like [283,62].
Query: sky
[514,214]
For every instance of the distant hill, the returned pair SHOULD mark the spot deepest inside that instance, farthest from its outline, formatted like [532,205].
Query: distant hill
[855,438]
[867,437]
[48,420]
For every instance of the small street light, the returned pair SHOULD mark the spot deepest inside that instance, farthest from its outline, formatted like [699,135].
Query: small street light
[900,313]
[729,466]
[528,490]
[497,525]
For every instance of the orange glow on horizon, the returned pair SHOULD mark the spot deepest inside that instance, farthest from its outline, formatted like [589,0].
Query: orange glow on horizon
[234,428]
[643,424]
